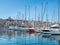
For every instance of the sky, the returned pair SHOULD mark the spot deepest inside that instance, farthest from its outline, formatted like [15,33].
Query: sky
[17,9]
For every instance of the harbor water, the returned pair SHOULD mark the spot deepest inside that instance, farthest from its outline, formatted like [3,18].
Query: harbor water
[23,38]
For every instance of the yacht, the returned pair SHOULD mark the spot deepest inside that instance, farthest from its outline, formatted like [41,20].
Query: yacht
[46,32]
[20,27]
[53,29]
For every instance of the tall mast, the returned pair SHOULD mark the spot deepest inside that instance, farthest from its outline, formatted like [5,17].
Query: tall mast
[22,18]
[46,14]
[58,11]
[39,17]
[35,13]
[25,14]
[39,20]
[53,15]
[29,15]
[17,17]
[41,14]
[29,12]
[35,18]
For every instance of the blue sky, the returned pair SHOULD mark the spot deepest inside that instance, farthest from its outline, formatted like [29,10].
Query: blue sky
[12,7]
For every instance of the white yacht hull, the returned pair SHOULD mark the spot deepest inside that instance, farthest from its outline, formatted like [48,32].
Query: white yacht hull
[19,28]
[52,32]
[54,29]
[55,32]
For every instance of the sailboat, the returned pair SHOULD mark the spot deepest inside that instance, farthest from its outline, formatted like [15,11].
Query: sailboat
[45,29]
[22,27]
[53,29]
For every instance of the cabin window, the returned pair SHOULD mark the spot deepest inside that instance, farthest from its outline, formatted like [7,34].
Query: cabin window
[55,27]
[45,30]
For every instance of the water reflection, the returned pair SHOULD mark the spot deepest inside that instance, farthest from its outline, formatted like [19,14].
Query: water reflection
[23,38]
[56,38]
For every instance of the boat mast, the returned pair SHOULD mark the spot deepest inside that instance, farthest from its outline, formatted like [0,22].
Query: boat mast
[17,17]
[29,12]
[53,16]
[25,15]
[39,20]
[58,10]
[59,13]
[46,14]
[41,15]
[35,19]
[29,15]
[22,18]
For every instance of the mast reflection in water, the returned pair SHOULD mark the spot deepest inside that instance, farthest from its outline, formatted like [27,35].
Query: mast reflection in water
[23,38]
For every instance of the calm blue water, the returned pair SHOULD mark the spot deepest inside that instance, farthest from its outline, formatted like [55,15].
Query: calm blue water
[28,39]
